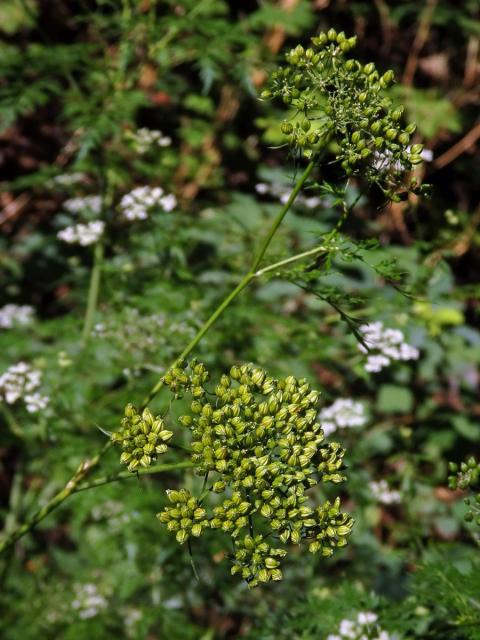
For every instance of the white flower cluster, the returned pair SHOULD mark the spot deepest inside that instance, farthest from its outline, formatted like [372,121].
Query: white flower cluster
[388,343]
[82,234]
[86,203]
[68,179]
[383,493]
[20,381]
[384,160]
[145,138]
[283,192]
[363,628]
[15,314]
[136,204]
[342,414]
[88,601]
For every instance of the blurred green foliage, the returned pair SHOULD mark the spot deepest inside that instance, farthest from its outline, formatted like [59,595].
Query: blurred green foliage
[77,81]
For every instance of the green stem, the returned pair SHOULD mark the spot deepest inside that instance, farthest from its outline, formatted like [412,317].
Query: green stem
[283,263]
[126,475]
[74,484]
[245,281]
[13,425]
[281,215]
[93,291]
[85,467]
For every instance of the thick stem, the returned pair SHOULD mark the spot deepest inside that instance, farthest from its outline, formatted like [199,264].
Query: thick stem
[247,278]
[126,475]
[93,291]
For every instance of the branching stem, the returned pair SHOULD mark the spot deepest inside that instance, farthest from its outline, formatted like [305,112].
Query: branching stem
[75,483]
[244,282]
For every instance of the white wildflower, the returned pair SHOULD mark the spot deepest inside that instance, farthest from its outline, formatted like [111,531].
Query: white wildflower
[168,202]
[384,160]
[86,203]
[347,629]
[83,234]
[19,382]
[387,345]
[343,413]
[262,188]
[375,364]
[283,192]
[35,402]
[365,627]
[68,179]
[367,617]
[383,493]
[88,601]
[14,314]
[136,204]
[144,139]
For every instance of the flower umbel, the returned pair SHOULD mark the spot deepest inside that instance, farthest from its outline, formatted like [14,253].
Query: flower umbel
[143,437]
[337,98]
[258,440]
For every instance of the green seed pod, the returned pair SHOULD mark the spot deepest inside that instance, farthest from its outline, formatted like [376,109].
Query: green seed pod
[397,114]
[416,149]
[391,134]
[181,536]
[369,68]
[286,127]
[356,136]
[404,138]
[332,35]
[387,78]
[306,124]
[416,159]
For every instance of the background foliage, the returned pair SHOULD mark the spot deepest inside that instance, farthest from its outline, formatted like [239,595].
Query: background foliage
[78,79]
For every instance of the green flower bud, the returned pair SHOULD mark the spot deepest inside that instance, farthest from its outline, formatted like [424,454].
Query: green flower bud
[416,149]
[306,124]
[332,35]
[369,68]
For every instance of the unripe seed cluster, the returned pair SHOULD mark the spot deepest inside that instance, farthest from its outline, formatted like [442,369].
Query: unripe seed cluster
[142,437]
[257,439]
[186,518]
[466,476]
[339,99]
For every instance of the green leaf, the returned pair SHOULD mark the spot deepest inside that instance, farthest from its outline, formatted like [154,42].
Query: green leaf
[394,399]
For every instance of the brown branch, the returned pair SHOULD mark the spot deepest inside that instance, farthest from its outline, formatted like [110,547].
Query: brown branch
[472,63]
[463,145]
[421,38]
